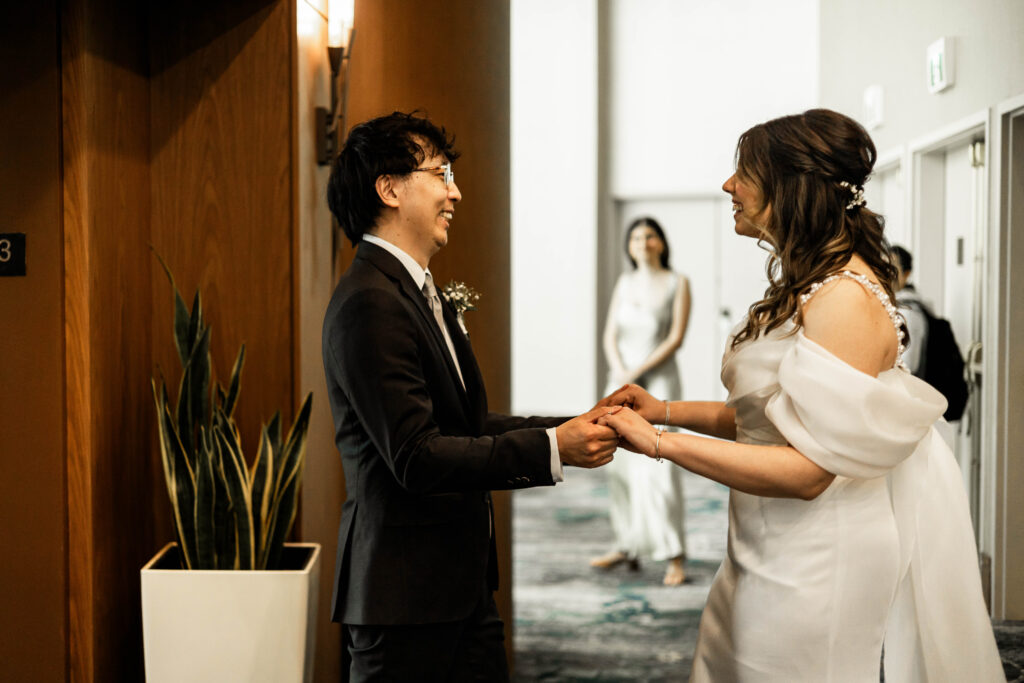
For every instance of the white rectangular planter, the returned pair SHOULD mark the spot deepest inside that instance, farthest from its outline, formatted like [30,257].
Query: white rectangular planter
[222,626]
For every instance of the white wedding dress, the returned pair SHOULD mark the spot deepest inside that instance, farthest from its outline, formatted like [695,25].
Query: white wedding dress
[647,506]
[810,590]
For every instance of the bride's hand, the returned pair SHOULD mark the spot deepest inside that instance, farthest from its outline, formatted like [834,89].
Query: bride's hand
[636,397]
[635,433]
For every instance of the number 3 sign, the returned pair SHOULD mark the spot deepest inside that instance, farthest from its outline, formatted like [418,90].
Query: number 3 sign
[12,253]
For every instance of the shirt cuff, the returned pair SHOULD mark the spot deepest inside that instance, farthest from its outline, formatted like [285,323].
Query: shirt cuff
[556,462]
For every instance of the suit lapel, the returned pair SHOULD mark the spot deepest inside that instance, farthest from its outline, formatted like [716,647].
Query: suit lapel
[467,360]
[394,269]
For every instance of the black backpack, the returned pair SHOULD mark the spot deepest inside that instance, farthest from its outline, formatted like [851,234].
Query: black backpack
[942,366]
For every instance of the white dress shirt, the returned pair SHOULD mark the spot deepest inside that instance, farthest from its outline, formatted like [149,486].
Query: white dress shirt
[419,276]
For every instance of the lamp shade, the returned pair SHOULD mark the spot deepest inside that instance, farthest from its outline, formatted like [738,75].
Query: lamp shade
[339,22]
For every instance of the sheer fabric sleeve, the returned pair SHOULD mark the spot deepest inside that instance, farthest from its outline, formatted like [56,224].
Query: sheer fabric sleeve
[859,426]
[847,422]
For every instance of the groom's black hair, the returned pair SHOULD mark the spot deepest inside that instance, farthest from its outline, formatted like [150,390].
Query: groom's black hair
[388,145]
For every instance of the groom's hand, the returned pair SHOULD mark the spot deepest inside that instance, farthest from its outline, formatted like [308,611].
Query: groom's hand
[584,443]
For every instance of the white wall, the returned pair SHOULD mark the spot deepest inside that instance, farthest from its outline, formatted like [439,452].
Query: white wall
[554,205]
[867,42]
[685,79]
[689,76]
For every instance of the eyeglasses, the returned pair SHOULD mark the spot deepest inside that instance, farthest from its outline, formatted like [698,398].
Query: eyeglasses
[449,175]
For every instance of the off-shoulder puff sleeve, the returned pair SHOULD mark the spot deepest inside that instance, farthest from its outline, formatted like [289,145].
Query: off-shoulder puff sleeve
[858,426]
[848,422]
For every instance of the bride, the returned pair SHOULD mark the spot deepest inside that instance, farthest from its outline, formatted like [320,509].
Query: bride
[848,522]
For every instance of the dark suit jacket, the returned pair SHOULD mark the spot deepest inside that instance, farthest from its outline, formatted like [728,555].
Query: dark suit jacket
[420,454]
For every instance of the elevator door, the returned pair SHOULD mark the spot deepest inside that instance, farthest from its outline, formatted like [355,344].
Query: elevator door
[951,259]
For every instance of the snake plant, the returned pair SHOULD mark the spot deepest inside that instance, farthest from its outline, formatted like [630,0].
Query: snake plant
[227,515]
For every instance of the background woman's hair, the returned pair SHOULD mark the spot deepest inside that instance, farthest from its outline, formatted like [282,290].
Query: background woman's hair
[656,227]
[798,163]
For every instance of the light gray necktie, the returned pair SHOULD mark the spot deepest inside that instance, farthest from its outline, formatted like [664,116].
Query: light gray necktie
[434,302]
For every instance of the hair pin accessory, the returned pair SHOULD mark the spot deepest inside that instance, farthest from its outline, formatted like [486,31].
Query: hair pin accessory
[858,194]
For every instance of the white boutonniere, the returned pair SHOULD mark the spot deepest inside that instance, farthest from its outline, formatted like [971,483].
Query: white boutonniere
[462,298]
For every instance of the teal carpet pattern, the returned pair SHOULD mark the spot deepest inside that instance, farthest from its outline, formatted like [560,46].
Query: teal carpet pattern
[575,623]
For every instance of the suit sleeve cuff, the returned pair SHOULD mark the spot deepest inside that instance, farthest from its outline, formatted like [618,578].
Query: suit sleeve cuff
[556,461]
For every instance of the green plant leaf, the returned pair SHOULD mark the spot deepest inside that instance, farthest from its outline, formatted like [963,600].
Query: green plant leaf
[179,476]
[274,431]
[236,478]
[226,514]
[181,316]
[287,484]
[205,504]
[167,460]
[200,363]
[193,398]
[262,489]
[223,514]
[195,322]
[236,382]
[282,519]
[166,457]
[294,446]
[184,414]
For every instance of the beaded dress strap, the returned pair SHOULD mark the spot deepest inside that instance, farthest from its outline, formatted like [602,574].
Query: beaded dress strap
[894,315]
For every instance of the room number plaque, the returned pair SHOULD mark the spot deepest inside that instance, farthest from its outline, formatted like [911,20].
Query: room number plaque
[12,253]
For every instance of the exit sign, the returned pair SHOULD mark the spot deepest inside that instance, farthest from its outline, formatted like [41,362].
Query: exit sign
[940,65]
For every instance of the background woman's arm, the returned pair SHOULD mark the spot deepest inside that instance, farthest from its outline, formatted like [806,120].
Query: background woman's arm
[676,332]
[609,338]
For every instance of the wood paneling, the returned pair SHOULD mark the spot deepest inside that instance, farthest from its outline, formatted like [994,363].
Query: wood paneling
[222,191]
[450,59]
[107,313]
[33,575]
[177,133]
[188,127]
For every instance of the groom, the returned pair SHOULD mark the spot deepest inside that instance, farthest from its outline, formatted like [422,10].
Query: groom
[416,564]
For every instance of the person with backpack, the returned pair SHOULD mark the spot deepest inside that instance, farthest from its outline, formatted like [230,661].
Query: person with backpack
[933,354]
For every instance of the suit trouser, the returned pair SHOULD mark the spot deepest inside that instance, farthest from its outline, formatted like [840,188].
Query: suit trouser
[471,649]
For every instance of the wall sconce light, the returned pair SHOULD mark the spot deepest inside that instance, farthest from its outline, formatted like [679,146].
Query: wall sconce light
[329,122]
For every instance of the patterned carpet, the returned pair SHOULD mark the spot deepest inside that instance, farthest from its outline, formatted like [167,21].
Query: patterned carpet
[575,623]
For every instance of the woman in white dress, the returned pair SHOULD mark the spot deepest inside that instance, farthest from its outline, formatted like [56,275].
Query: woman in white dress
[647,320]
[848,522]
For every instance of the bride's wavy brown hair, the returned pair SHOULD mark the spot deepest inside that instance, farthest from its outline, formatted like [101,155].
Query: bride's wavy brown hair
[798,163]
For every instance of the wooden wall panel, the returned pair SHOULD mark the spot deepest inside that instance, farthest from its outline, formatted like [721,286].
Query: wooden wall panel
[33,575]
[186,126]
[450,59]
[107,313]
[221,186]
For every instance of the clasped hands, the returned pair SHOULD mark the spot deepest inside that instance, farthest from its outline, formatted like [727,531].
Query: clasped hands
[622,419]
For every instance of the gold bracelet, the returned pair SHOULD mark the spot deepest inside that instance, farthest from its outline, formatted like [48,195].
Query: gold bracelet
[666,414]
[657,446]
